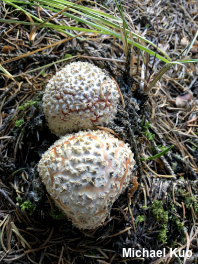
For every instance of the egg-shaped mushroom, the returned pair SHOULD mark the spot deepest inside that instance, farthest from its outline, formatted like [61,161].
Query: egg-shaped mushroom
[85,173]
[80,96]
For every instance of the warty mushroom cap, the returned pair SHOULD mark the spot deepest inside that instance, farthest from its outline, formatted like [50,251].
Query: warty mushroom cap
[85,173]
[78,97]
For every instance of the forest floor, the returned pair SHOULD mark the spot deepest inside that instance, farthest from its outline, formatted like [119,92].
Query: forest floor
[163,212]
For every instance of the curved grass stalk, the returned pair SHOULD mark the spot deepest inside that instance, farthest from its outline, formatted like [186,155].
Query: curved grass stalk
[47,25]
[100,21]
[108,32]
[5,71]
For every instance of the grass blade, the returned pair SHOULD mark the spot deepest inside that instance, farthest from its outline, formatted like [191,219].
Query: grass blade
[5,71]
[92,16]
[159,75]
[51,26]
[191,44]
[159,154]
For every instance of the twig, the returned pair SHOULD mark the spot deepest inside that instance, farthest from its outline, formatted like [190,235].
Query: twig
[41,56]
[8,198]
[137,157]
[12,86]
[126,229]
[132,219]
[158,175]
[6,121]
[183,207]
[109,130]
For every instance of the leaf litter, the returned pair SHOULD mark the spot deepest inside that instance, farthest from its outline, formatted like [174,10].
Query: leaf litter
[153,120]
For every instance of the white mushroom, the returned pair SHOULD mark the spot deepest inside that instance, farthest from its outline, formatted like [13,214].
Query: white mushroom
[79,97]
[85,173]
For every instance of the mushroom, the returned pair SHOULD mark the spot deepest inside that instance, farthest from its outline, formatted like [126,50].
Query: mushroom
[80,96]
[85,173]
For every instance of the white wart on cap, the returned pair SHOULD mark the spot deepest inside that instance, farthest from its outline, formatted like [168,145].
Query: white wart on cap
[78,97]
[85,173]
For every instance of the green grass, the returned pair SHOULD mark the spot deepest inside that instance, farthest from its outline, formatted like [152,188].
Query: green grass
[150,136]
[163,152]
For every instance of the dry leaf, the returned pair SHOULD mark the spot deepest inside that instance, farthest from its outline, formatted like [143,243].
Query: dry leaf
[159,164]
[6,49]
[184,41]
[32,35]
[134,187]
[182,100]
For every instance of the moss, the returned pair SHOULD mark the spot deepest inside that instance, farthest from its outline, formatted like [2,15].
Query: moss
[162,217]
[172,243]
[182,192]
[176,222]
[35,103]
[188,201]
[161,147]
[158,211]
[162,237]
[18,123]
[19,200]
[140,219]
[192,201]
[152,148]
[92,252]
[28,206]
[146,125]
[174,166]
[194,142]
[57,214]
[149,135]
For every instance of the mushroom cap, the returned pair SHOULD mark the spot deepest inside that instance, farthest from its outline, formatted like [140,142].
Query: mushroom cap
[85,173]
[80,96]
